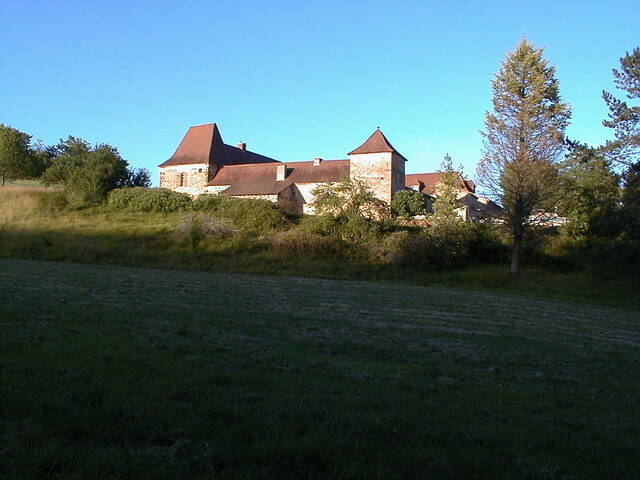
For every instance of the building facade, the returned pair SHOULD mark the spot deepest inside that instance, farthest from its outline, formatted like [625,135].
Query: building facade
[203,163]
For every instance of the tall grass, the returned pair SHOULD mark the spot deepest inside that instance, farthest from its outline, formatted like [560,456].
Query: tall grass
[20,203]
[33,226]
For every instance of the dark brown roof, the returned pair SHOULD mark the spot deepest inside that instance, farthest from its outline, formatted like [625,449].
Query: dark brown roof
[260,179]
[376,143]
[427,181]
[203,144]
[237,156]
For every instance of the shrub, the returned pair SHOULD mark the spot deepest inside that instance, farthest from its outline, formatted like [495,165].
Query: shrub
[199,226]
[408,204]
[348,198]
[436,249]
[301,243]
[140,199]
[260,216]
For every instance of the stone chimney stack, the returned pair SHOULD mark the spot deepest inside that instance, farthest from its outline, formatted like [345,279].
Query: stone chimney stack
[281,172]
[242,146]
[317,161]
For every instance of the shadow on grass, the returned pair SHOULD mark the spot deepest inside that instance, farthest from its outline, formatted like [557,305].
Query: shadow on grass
[249,254]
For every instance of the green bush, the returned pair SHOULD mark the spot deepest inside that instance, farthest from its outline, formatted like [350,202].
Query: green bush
[260,216]
[438,249]
[140,199]
[408,203]
[301,243]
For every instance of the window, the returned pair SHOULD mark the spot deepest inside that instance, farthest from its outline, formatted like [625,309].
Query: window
[183,180]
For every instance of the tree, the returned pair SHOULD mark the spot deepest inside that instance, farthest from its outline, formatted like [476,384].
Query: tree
[87,173]
[523,140]
[348,198]
[408,203]
[15,155]
[445,204]
[591,195]
[631,200]
[138,177]
[623,118]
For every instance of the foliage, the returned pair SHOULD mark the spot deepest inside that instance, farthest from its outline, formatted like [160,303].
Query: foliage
[298,242]
[140,199]
[348,199]
[523,140]
[408,203]
[198,226]
[591,195]
[89,173]
[437,248]
[445,203]
[260,216]
[630,210]
[138,177]
[16,155]
[624,118]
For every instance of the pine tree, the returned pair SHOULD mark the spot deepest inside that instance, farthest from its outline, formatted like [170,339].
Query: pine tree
[623,118]
[445,203]
[524,138]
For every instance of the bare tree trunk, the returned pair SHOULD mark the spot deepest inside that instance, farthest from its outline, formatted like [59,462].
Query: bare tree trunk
[515,255]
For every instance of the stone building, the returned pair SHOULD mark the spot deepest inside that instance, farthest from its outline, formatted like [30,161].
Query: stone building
[203,163]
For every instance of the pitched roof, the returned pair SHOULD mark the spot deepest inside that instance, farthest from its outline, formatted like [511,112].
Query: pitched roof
[260,179]
[427,181]
[203,144]
[376,143]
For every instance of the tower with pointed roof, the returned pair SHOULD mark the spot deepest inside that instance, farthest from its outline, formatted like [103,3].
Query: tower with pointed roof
[378,165]
[199,156]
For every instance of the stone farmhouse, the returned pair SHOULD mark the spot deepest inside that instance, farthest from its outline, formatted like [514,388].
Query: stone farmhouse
[203,163]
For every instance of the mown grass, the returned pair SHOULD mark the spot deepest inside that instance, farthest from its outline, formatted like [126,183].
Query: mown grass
[112,372]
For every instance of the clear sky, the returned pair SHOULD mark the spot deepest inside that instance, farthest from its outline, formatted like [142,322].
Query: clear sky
[295,79]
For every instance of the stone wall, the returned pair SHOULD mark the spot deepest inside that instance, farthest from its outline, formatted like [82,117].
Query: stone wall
[213,189]
[375,170]
[397,173]
[291,200]
[187,178]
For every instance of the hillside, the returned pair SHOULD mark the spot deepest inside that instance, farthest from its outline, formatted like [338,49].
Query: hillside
[114,372]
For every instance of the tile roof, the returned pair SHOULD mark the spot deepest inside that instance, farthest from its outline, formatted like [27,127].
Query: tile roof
[376,143]
[427,182]
[260,179]
[203,144]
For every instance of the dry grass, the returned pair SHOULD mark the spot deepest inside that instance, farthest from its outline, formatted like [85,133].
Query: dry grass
[19,202]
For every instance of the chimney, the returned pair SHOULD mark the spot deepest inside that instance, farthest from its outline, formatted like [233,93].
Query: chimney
[281,172]
[317,161]
[242,146]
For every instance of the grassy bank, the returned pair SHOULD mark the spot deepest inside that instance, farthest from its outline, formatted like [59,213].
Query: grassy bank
[112,372]
[32,227]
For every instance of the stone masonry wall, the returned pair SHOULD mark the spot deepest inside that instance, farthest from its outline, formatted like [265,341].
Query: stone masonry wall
[191,179]
[375,170]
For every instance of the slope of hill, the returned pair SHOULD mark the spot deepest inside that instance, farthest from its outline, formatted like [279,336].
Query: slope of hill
[113,372]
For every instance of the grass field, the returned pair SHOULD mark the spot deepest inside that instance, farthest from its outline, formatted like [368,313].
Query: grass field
[113,372]
[32,228]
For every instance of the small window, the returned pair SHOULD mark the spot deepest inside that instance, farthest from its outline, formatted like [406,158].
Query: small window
[183,179]
[199,170]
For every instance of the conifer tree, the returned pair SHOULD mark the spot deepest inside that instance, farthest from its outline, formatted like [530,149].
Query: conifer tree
[445,203]
[524,138]
[625,118]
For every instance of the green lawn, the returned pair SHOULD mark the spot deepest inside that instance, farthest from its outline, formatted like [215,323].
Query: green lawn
[114,372]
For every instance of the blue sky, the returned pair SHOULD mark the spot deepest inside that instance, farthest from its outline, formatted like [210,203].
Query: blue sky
[294,79]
